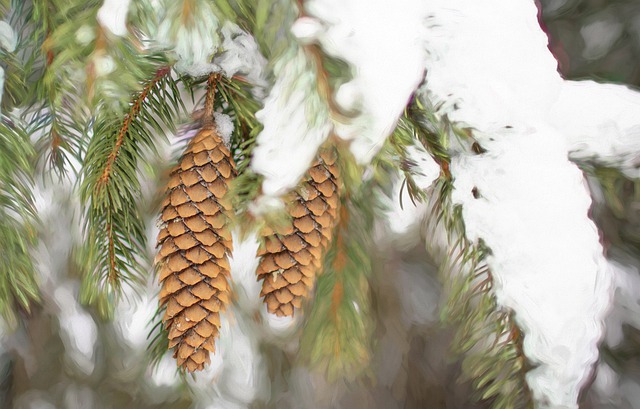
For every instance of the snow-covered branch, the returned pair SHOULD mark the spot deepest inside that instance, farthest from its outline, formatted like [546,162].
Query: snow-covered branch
[601,122]
[489,68]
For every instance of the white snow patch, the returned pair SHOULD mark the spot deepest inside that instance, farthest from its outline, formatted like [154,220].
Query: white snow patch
[241,54]
[224,125]
[306,29]
[244,263]
[386,68]
[195,42]
[113,16]
[403,215]
[85,34]
[488,65]
[424,168]
[8,39]
[606,382]
[600,122]
[295,123]
[237,373]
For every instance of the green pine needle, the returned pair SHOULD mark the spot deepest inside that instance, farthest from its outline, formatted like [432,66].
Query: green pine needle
[115,247]
[18,285]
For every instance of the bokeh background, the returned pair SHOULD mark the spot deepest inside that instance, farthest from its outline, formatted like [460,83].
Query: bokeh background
[65,356]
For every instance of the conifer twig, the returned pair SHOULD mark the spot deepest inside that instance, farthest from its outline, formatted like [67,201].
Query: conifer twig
[128,119]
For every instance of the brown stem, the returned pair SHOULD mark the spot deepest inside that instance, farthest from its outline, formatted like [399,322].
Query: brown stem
[128,119]
[210,98]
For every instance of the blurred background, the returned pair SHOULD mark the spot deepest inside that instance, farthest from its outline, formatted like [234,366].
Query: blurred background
[65,356]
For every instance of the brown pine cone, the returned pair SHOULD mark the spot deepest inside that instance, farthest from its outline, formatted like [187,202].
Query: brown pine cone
[291,257]
[195,242]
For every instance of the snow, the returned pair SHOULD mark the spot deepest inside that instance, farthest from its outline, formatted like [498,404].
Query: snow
[295,124]
[240,55]
[488,68]
[600,122]
[425,170]
[224,125]
[386,68]
[113,16]
[546,258]
[194,41]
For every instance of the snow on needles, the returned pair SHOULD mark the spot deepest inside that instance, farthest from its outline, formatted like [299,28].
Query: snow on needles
[382,41]
[296,123]
[489,68]
[192,33]
[387,69]
[531,211]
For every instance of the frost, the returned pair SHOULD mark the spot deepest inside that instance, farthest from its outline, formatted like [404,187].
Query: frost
[387,69]
[113,16]
[224,125]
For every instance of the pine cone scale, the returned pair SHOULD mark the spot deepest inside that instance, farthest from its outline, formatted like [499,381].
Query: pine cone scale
[291,257]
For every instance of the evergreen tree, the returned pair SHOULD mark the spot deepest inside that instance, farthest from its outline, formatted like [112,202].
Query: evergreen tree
[308,128]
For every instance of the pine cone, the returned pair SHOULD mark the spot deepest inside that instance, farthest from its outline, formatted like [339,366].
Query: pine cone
[195,242]
[292,256]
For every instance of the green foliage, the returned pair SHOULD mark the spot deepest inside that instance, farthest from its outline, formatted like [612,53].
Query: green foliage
[110,189]
[486,336]
[17,220]
[337,335]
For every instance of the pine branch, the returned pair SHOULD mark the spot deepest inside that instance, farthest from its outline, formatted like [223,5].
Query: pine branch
[110,188]
[486,337]
[337,336]
[124,129]
[18,286]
